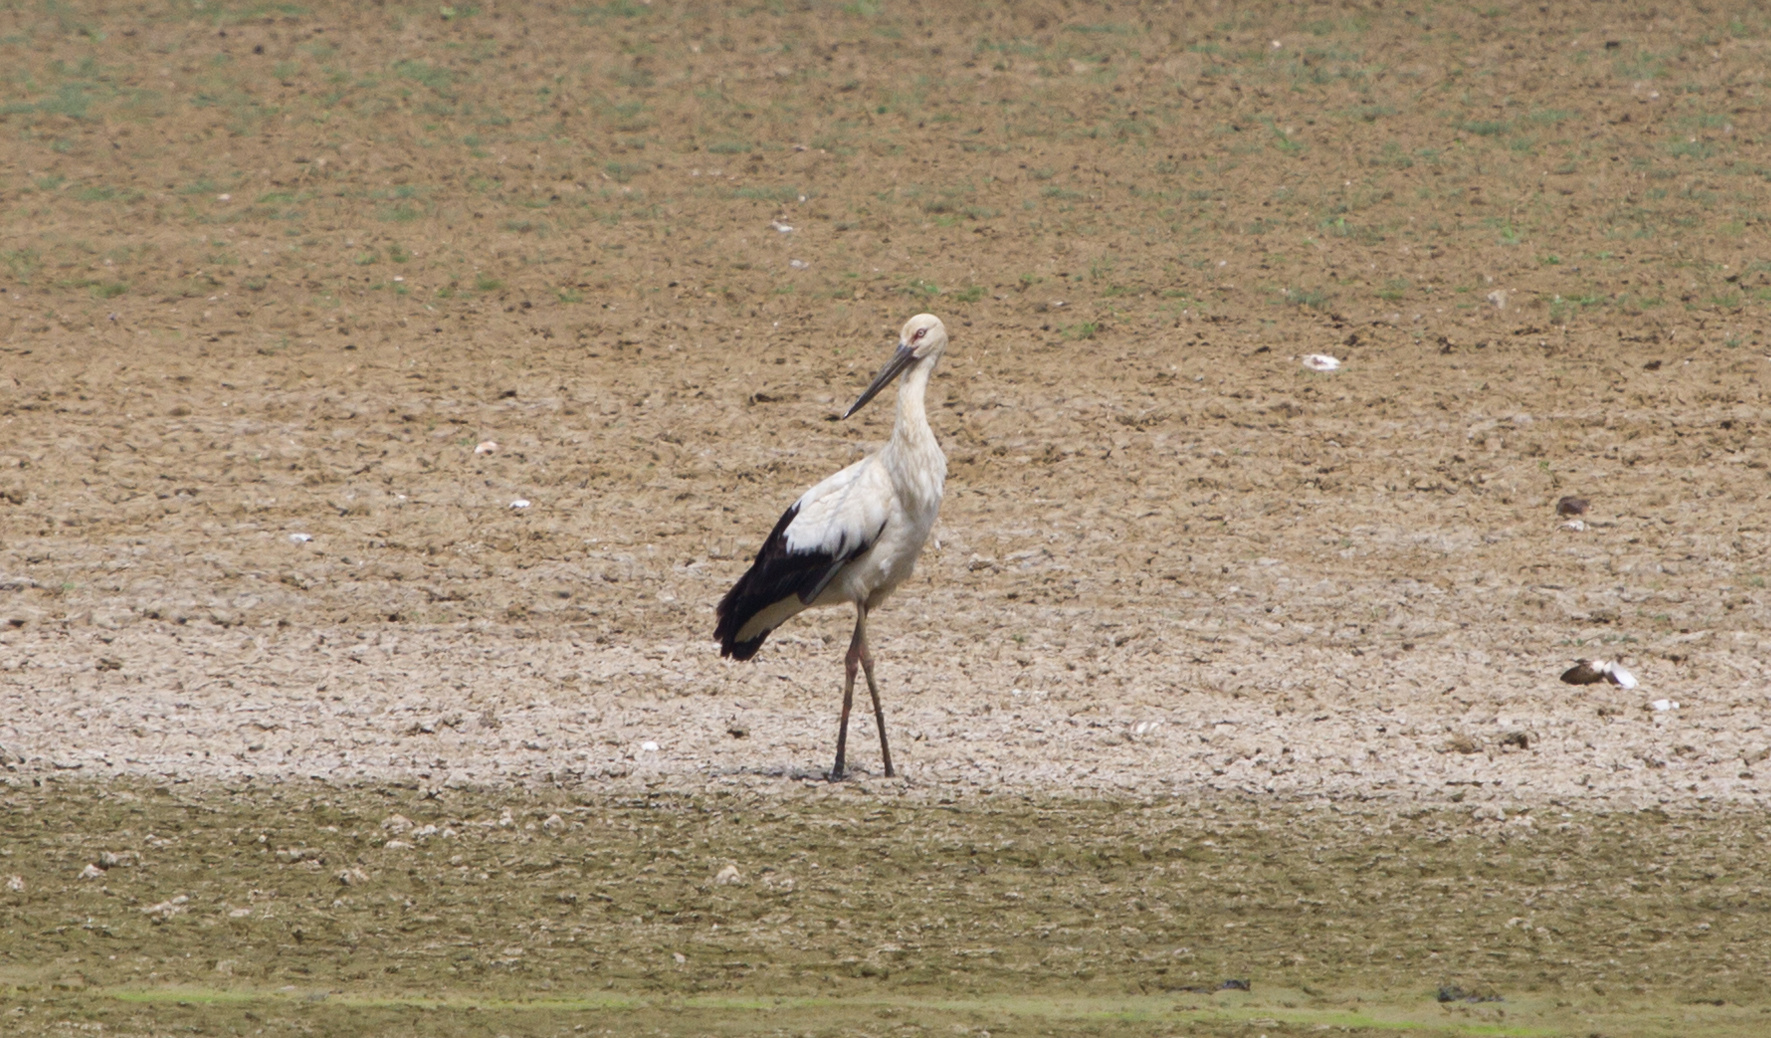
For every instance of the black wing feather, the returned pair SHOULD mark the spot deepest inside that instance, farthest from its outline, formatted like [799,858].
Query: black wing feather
[776,574]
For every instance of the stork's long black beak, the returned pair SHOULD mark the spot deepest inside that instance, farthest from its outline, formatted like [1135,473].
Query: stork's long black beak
[893,368]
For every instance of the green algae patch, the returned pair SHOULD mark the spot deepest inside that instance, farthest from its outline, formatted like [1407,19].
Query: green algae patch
[815,909]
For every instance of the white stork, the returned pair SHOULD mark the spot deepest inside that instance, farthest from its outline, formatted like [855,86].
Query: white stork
[854,537]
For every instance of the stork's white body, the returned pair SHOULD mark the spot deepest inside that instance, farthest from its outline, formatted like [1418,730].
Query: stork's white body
[892,496]
[854,537]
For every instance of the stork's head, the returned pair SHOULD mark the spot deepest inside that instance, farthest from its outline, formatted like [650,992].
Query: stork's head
[921,342]
[924,335]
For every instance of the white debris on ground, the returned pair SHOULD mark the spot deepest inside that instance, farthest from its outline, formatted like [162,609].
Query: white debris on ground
[1590,672]
[486,447]
[300,538]
[520,503]
[1321,362]
[166,909]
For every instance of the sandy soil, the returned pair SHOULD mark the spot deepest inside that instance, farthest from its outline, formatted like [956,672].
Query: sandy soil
[275,274]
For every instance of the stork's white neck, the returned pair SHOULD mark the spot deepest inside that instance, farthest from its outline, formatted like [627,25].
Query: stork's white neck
[912,427]
[912,455]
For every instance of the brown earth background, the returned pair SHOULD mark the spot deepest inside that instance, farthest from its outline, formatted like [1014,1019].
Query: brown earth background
[269,269]
[279,271]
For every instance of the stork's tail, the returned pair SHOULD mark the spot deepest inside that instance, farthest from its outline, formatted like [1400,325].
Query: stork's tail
[733,615]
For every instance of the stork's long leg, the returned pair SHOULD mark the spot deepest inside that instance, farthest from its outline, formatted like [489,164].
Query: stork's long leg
[885,751]
[857,652]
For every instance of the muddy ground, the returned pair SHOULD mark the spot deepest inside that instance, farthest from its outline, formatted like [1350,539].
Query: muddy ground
[275,270]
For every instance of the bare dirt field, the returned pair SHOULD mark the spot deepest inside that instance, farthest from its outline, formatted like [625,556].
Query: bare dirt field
[271,273]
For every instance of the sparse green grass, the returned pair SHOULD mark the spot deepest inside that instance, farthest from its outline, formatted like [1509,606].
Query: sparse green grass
[546,156]
[1313,298]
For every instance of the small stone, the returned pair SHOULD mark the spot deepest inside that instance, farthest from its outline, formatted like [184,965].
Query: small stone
[396,823]
[92,872]
[1489,813]
[679,957]
[353,876]
[395,845]
[728,877]
[166,909]
[648,747]
[16,884]
[554,823]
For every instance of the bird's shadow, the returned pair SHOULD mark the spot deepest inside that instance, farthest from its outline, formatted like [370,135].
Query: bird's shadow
[792,773]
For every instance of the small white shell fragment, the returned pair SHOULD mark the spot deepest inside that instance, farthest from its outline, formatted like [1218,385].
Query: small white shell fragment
[486,447]
[648,747]
[300,538]
[1661,706]
[521,502]
[798,264]
[1575,525]
[728,876]
[1320,362]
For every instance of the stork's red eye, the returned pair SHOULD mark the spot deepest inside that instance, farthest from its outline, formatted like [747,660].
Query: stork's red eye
[920,332]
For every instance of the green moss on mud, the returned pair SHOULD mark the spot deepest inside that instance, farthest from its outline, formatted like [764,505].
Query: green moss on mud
[341,911]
